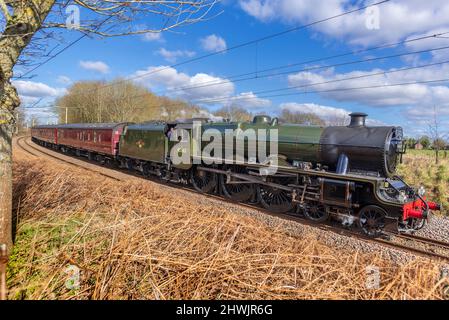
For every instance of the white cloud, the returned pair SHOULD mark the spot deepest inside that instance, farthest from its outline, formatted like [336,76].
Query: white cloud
[335,88]
[249,100]
[201,88]
[397,19]
[152,36]
[97,66]
[213,43]
[198,86]
[332,115]
[320,111]
[173,56]
[37,89]
[430,43]
[31,92]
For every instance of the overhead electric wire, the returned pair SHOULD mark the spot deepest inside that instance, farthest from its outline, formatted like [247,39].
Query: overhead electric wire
[240,97]
[362,88]
[60,51]
[224,99]
[244,44]
[274,35]
[355,77]
[257,73]
[313,68]
[215,83]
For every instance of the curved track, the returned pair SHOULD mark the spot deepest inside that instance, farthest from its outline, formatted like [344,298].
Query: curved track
[405,242]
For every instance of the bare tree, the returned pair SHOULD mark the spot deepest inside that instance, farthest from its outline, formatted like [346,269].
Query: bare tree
[26,29]
[437,137]
[234,113]
[337,120]
[117,101]
[301,118]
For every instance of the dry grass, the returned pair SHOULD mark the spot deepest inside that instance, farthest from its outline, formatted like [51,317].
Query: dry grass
[419,168]
[137,241]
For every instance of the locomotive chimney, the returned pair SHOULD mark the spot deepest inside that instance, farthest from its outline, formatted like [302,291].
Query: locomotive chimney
[357,119]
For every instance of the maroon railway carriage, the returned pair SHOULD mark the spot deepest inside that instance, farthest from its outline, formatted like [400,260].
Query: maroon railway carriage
[45,134]
[93,138]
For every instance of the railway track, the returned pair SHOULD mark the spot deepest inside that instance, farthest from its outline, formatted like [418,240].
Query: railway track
[417,245]
[36,151]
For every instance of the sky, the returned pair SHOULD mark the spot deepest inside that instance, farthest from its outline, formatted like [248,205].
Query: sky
[362,80]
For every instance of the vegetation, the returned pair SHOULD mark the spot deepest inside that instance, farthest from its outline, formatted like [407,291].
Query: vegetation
[419,168]
[301,118]
[118,101]
[234,113]
[137,240]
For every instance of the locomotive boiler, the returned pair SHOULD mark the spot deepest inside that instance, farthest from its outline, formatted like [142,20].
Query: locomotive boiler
[354,148]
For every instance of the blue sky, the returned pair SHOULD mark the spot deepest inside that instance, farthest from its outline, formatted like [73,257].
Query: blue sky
[245,20]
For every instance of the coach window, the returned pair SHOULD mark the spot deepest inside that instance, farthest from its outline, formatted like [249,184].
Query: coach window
[95,136]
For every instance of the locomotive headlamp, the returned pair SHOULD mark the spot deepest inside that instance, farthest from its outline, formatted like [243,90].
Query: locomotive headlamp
[402,197]
[422,191]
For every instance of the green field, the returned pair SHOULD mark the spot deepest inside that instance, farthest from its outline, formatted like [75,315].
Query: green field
[429,153]
[419,168]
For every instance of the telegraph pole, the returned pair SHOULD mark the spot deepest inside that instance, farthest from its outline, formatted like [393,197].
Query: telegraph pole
[66,115]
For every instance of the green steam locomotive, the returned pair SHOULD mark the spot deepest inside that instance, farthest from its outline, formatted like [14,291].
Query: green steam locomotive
[343,172]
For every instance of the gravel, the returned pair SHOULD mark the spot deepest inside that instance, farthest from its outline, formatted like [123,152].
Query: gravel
[328,237]
[437,228]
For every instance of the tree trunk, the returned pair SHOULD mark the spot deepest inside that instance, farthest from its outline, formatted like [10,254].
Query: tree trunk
[9,101]
[24,21]
[5,184]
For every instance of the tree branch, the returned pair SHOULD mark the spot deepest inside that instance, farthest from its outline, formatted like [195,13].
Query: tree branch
[5,10]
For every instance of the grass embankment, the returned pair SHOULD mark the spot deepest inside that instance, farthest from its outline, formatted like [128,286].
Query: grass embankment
[419,168]
[137,240]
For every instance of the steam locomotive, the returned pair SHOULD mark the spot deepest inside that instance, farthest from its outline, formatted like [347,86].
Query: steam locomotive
[345,173]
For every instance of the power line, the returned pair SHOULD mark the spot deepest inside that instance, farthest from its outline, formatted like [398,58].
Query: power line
[51,57]
[314,68]
[71,44]
[215,83]
[223,99]
[240,97]
[362,88]
[271,36]
[355,77]
[244,44]
[257,73]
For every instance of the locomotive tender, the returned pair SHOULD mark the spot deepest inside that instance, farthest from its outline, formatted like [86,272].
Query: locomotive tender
[343,172]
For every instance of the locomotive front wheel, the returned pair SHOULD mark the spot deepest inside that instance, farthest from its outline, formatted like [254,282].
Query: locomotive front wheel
[275,200]
[236,192]
[203,181]
[316,213]
[372,220]
[414,224]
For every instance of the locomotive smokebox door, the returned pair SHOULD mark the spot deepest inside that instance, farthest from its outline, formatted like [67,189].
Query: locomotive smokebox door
[335,192]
